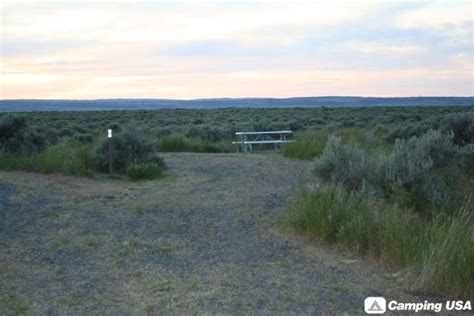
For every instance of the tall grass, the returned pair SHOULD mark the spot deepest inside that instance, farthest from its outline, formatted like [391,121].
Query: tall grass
[307,145]
[368,225]
[448,254]
[149,170]
[399,231]
[311,143]
[179,143]
[67,157]
[362,222]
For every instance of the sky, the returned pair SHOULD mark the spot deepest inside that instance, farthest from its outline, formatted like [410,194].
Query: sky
[196,49]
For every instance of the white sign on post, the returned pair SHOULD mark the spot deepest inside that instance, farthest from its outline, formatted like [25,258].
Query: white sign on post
[110,133]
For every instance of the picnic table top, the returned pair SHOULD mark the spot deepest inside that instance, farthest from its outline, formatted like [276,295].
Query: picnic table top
[267,132]
[264,142]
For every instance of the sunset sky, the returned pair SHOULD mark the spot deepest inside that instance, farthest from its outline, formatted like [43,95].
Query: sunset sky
[195,49]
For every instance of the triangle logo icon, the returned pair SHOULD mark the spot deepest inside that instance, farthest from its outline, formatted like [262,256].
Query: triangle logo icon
[375,307]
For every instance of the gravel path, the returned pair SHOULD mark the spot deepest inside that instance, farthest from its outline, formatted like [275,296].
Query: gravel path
[207,238]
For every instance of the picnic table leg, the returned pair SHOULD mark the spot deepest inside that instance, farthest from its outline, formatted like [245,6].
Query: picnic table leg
[278,146]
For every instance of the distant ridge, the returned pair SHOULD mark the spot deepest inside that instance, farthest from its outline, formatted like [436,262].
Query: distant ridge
[153,104]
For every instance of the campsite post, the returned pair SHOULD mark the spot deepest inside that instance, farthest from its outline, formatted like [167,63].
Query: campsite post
[109,151]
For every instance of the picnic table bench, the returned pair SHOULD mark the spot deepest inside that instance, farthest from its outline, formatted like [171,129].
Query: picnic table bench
[247,139]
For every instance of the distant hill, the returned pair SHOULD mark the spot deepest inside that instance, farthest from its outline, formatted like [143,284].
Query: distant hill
[151,104]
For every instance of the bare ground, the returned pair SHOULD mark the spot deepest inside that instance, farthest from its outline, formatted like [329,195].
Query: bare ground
[205,239]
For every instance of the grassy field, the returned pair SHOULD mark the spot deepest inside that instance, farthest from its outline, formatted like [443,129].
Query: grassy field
[391,185]
[218,126]
[40,141]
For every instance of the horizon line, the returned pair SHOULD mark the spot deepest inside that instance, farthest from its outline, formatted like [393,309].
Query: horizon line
[243,98]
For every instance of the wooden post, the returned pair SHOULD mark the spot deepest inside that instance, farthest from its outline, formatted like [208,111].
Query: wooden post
[110,154]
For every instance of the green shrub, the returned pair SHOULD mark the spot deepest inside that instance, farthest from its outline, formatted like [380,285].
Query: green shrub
[462,127]
[51,135]
[341,163]
[406,131]
[418,172]
[16,136]
[409,165]
[128,147]
[429,173]
[414,164]
[10,126]
[146,171]
[66,132]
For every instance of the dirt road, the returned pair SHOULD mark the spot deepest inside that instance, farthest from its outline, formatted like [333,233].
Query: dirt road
[207,238]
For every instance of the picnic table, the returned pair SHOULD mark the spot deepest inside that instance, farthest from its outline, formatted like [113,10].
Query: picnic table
[247,139]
